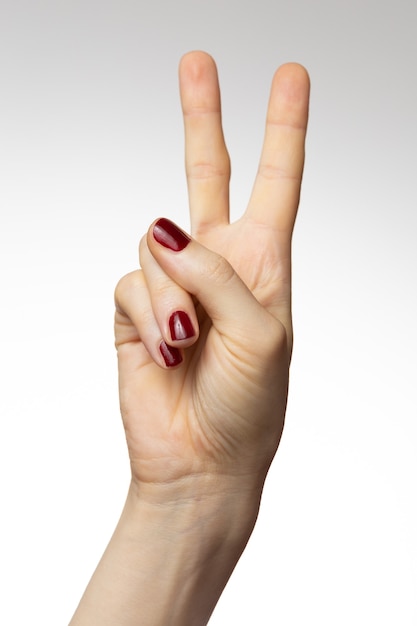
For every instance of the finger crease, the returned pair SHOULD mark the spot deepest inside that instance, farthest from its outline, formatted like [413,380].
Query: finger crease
[288,125]
[203,171]
[270,172]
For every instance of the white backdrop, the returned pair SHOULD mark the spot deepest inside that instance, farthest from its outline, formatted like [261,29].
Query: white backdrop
[91,151]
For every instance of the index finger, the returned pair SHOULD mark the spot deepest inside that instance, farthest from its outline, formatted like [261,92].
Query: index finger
[206,158]
[276,192]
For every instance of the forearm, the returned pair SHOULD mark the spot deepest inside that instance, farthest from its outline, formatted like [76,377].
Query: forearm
[167,563]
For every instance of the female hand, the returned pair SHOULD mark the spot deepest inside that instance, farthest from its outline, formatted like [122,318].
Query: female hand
[203,332]
[204,337]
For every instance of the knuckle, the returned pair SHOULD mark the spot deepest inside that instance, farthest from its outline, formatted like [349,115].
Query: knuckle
[162,288]
[268,333]
[274,341]
[126,285]
[269,171]
[204,170]
[219,270]
[142,244]
[278,336]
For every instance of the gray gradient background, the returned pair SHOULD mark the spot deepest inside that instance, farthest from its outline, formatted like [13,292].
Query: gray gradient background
[91,151]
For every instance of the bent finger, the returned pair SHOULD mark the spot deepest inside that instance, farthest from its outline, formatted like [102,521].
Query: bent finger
[172,307]
[233,309]
[136,323]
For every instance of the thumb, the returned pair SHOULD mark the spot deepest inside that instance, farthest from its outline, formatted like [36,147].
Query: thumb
[233,309]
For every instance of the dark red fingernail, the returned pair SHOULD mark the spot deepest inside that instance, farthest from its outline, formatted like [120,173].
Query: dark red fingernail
[169,235]
[180,326]
[172,356]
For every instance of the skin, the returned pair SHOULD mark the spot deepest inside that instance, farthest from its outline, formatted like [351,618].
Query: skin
[201,435]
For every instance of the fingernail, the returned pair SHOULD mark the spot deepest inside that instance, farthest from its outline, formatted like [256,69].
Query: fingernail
[169,235]
[180,326]
[172,356]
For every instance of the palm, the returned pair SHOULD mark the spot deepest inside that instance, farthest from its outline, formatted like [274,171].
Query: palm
[264,265]
[176,421]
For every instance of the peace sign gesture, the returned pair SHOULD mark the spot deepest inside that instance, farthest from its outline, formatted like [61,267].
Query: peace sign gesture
[217,306]
[204,338]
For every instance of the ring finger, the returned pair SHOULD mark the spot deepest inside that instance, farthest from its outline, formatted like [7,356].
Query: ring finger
[173,308]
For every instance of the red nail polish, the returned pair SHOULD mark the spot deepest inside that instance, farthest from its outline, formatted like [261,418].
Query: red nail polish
[180,326]
[169,235]
[172,356]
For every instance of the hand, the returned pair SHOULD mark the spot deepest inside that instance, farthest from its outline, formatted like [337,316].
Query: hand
[204,338]
[212,410]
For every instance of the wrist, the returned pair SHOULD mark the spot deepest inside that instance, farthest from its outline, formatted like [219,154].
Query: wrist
[228,507]
[193,543]
[171,554]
